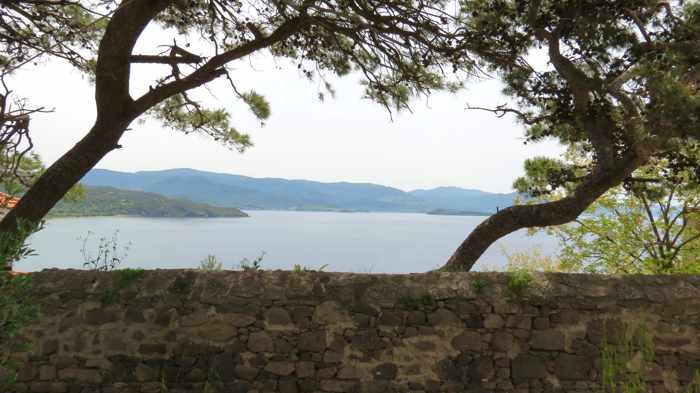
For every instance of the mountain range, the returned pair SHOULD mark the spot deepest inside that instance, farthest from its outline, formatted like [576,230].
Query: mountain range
[227,190]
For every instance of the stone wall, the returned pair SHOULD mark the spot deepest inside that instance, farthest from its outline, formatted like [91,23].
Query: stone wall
[189,331]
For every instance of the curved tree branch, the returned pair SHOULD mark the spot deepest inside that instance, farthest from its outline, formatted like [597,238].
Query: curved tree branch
[212,69]
[558,212]
[113,103]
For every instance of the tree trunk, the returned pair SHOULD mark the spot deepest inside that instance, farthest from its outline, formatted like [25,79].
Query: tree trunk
[53,184]
[558,212]
[114,113]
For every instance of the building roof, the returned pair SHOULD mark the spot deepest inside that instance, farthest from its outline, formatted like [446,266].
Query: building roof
[8,201]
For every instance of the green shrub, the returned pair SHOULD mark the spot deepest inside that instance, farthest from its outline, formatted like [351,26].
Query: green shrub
[533,260]
[518,282]
[13,245]
[478,284]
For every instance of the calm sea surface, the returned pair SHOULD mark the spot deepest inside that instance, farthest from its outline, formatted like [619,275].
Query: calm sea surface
[350,242]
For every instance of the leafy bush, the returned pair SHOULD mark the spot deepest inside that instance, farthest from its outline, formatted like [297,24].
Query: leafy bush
[477,284]
[13,246]
[533,260]
[518,282]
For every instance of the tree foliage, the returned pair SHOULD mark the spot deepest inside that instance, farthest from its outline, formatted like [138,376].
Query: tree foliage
[400,47]
[30,32]
[620,81]
[620,87]
[634,234]
[645,227]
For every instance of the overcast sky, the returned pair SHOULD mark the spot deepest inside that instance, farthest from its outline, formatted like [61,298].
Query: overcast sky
[342,139]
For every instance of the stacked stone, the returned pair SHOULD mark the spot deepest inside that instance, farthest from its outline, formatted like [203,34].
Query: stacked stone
[259,332]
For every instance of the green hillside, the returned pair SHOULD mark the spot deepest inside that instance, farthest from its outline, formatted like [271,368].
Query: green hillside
[109,201]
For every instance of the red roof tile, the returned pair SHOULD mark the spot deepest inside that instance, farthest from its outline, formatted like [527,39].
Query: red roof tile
[8,201]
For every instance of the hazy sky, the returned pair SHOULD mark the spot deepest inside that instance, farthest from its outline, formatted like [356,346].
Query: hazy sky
[342,139]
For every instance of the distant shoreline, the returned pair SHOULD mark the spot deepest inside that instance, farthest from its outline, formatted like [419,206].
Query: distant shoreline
[250,212]
[52,216]
[449,212]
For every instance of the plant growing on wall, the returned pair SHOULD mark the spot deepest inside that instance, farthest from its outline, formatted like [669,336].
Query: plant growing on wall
[624,365]
[18,303]
[108,254]
[18,307]
[123,279]
[254,265]
[210,264]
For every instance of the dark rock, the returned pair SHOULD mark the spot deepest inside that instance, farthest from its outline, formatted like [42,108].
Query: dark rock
[236,387]
[134,314]
[49,347]
[312,341]
[385,371]
[144,373]
[280,368]
[153,349]
[277,316]
[48,387]
[425,346]
[224,366]
[101,316]
[287,386]
[502,342]
[246,372]
[332,385]
[609,331]
[416,318]
[326,372]
[572,367]
[527,367]
[444,317]
[332,357]
[304,369]
[467,341]
[367,340]
[548,340]
[390,318]
[283,346]
[239,320]
[494,321]
[260,342]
